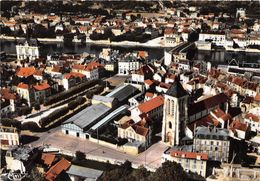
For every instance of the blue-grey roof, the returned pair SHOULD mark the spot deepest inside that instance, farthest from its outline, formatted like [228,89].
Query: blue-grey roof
[103,98]
[89,173]
[123,92]
[176,90]
[211,133]
[88,116]
[110,116]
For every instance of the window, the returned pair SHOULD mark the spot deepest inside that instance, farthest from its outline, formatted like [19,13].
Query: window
[170,125]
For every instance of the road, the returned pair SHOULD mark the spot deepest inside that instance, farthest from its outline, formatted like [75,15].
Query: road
[55,138]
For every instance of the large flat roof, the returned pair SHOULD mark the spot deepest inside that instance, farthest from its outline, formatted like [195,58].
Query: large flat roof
[123,92]
[89,173]
[110,116]
[89,115]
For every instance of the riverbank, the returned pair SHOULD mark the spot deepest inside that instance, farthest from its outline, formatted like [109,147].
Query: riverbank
[157,42]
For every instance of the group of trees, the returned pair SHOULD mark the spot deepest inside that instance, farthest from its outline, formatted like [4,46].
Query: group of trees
[168,171]
[98,89]
[54,115]
[72,91]
[25,110]
[11,123]
[137,35]
[74,103]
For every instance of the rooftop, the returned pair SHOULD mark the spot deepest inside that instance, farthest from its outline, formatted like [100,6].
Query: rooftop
[176,90]
[88,116]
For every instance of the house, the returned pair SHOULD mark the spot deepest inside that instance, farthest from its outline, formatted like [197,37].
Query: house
[238,130]
[143,73]
[202,108]
[252,119]
[139,132]
[213,141]
[26,92]
[171,37]
[128,64]
[48,159]
[91,70]
[9,136]
[153,108]
[57,169]
[71,79]
[190,161]
[41,92]
[29,49]
[8,100]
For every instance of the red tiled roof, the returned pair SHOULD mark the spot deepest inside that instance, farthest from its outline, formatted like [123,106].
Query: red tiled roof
[207,103]
[48,158]
[151,104]
[42,86]
[142,54]
[56,169]
[56,69]
[149,94]
[140,130]
[74,74]
[90,66]
[205,121]
[189,155]
[253,117]
[25,71]
[168,31]
[164,85]
[23,86]
[148,82]
[6,94]
[257,97]
[238,125]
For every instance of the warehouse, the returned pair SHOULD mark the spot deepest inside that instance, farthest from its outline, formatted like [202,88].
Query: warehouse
[81,122]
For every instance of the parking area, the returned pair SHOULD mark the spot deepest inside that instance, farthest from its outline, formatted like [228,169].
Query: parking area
[151,157]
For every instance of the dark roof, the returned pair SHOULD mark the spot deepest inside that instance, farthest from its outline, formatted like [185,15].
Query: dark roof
[176,89]
[123,92]
[207,103]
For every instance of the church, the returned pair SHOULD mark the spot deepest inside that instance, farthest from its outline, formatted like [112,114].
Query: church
[175,114]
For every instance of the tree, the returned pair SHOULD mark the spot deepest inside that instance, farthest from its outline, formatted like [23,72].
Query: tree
[80,156]
[37,106]
[35,175]
[11,122]
[141,173]
[193,36]
[169,171]
[6,30]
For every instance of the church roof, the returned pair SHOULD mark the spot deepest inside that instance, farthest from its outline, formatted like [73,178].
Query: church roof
[176,90]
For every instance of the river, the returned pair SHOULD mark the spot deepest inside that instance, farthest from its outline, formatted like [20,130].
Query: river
[216,57]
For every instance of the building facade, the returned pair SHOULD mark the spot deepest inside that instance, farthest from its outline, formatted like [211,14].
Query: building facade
[174,114]
[213,141]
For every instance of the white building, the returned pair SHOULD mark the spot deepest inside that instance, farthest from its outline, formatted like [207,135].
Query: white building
[29,49]
[252,119]
[213,141]
[125,66]
[9,136]
[190,161]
